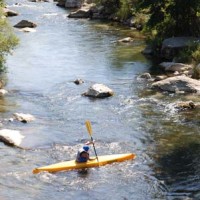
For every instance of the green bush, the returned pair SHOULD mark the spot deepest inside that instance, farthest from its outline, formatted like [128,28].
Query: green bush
[196,55]
[173,18]
[189,54]
[7,38]
[125,11]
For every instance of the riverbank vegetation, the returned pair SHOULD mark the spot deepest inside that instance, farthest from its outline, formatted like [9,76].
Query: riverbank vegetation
[7,38]
[160,19]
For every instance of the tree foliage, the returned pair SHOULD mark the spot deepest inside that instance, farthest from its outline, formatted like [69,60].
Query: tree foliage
[7,38]
[173,17]
[120,8]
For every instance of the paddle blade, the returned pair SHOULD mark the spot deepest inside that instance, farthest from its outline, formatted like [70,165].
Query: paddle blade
[89,127]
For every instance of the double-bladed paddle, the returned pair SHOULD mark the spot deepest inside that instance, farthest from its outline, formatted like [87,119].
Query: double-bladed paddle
[89,129]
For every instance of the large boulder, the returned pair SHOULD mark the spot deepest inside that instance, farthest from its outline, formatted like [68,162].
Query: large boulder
[11,137]
[73,3]
[24,24]
[86,11]
[175,67]
[177,84]
[171,46]
[81,13]
[99,91]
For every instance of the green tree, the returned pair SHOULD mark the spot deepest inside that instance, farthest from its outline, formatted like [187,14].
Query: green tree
[173,17]
[7,38]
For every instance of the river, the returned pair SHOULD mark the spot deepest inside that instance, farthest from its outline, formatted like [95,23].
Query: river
[39,77]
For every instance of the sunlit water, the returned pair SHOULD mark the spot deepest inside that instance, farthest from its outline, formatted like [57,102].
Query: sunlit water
[40,76]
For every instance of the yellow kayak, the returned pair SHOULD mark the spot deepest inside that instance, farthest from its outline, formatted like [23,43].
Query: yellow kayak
[71,165]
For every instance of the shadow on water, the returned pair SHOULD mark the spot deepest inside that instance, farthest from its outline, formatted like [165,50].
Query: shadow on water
[83,173]
[180,170]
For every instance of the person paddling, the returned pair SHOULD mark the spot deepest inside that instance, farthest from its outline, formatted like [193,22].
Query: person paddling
[83,153]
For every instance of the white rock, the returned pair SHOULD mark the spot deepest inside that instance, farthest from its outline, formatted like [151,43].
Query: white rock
[178,83]
[126,40]
[23,117]
[11,137]
[3,92]
[99,91]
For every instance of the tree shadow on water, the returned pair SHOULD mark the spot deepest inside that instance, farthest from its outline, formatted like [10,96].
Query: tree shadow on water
[180,170]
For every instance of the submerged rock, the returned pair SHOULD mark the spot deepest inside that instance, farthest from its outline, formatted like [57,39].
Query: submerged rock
[23,117]
[78,81]
[178,84]
[99,91]
[11,137]
[24,24]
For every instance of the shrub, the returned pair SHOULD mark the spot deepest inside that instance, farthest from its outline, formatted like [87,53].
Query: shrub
[7,38]
[196,54]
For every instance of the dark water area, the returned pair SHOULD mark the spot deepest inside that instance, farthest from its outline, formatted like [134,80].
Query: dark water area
[39,77]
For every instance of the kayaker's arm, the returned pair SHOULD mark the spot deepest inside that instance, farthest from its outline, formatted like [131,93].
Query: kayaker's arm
[89,142]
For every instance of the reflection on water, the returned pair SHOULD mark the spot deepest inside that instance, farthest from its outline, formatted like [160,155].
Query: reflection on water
[180,169]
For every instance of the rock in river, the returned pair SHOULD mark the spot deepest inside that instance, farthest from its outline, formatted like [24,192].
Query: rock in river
[11,137]
[99,91]
[78,81]
[9,13]
[3,92]
[178,83]
[23,117]
[81,13]
[25,23]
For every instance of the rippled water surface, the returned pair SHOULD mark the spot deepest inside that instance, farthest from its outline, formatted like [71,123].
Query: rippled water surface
[40,76]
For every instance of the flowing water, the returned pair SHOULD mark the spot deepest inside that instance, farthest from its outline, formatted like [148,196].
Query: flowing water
[39,78]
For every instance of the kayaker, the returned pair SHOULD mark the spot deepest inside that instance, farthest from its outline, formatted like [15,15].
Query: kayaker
[83,153]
